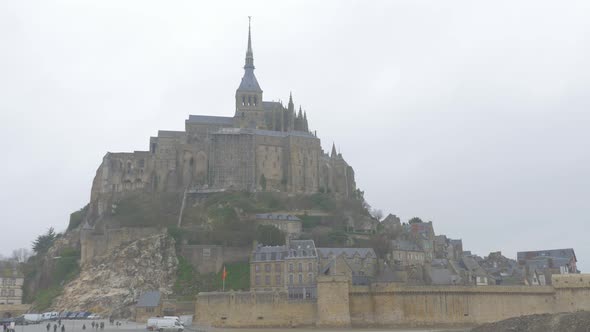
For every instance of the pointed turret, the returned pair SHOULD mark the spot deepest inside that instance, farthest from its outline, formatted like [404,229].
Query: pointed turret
[305,125]
[333,155]
[249,107]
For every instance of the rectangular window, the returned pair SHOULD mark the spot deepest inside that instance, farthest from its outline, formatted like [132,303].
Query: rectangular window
[257,280]
[267,280]
[290,267]
[310,278]
[278,280]
[300,278]
[309,267]
[257,268]
[300,267]
[11,292]
[206,252]
[290,279]
[277,267]
[266,267]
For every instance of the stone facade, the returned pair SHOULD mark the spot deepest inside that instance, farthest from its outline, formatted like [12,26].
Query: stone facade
[11,287]
[292,268]
[288,224]
[263,146]
[359,265]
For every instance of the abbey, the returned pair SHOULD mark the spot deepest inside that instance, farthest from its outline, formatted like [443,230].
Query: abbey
[263,146]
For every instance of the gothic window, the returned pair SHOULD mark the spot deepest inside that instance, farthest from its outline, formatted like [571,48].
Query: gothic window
[243,102]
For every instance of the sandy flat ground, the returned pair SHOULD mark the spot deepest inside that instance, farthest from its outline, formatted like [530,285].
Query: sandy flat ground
[76,326]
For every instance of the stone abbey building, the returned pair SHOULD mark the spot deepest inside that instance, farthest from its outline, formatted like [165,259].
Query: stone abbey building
[263,146]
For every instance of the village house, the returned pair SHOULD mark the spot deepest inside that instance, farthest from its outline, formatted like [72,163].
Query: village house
[148,305]
[11,284]
[406,253]
[358,264]
[540,265]
[293,267]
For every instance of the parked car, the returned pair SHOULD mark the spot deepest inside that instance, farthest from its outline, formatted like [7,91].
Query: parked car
[93,316]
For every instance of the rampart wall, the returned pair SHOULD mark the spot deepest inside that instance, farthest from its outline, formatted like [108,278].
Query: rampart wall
[254,309]
[389,304]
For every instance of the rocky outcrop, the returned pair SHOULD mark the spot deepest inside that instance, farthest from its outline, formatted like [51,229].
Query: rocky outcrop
[560,322]
[114,281]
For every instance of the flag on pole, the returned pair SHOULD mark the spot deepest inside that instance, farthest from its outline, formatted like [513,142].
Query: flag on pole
[224,274]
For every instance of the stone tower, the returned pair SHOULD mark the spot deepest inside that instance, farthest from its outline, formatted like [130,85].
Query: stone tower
[249,107]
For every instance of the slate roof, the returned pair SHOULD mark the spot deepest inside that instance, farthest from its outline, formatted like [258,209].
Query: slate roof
[277,216]
[443,277]
[473,266]
[149,299]
[269,253]
[209,119]
[249,81]
[271,105]
[348,252]
[301,248]
[552,253]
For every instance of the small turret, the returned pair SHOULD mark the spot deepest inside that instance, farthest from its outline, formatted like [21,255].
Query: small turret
[334,154]
[305,125]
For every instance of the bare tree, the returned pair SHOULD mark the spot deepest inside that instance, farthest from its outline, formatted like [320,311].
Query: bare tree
[21,255]
[377,214]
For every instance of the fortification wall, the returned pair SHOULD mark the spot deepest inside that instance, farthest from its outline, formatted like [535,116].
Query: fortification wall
[394,305]
[391,304]
[253,309]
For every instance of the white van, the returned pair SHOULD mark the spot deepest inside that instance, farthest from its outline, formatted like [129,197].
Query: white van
[164,324]
[33,318]
[176,318]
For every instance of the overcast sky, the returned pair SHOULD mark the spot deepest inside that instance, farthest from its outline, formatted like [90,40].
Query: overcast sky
[472,114]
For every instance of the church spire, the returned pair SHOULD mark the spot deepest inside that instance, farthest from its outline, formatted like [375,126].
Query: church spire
[249,53]
[333,150]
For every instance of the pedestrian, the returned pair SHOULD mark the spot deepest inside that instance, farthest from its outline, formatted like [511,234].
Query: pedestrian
[83,326]
[48,326]
[101,326]
[59,321]
[63,328]
[54,327]
[92,324]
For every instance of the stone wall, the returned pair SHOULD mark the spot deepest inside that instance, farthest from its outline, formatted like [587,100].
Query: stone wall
[253,309]
[210,258]
[95,244]
[390,304]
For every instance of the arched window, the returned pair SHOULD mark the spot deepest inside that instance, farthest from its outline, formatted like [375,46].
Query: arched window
[249,100]
[243,100]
